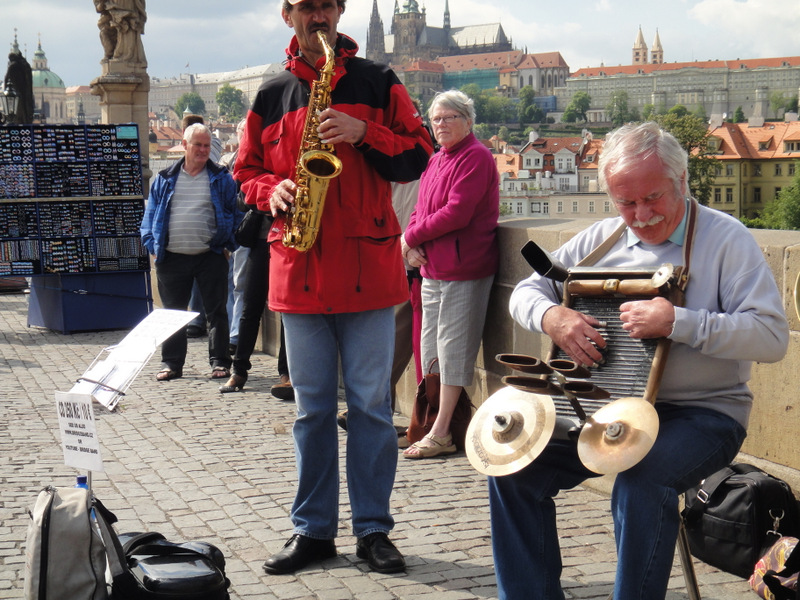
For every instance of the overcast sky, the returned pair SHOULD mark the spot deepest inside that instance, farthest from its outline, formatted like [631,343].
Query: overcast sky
[226,35]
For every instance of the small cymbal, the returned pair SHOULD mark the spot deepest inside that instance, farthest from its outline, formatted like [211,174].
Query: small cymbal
[618,435]
[509,430]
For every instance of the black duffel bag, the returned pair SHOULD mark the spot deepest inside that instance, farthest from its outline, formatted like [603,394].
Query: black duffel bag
[736,514]
[145,566]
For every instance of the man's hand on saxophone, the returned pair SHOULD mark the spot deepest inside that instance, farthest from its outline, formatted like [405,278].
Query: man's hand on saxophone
[337,127]
[282,197]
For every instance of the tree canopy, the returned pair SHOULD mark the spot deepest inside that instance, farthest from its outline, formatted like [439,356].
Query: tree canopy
[193,102]
[692,133]
[231,102]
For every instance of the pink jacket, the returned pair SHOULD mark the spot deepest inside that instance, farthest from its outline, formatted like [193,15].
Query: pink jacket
[455,220]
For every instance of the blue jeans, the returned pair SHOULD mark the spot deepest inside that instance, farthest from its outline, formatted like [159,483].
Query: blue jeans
[692,443]
[365,341]
[237,283]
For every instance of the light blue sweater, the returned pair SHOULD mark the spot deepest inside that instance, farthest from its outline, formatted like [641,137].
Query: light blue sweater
[733,313]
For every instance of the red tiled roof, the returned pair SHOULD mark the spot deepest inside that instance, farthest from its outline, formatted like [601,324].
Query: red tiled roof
[489,60]
[422,65]
[739,140]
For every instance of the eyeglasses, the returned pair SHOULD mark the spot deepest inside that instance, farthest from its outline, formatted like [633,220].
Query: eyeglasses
[449,119]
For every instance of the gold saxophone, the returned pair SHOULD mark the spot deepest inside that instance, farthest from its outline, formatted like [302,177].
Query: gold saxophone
[316,164]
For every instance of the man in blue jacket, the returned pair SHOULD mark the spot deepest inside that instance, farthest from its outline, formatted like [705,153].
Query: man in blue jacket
[188,228]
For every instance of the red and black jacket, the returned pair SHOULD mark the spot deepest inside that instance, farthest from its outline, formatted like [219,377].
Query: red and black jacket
[355,263]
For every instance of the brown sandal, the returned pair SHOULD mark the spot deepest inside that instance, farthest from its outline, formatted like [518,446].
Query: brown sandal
[431,446]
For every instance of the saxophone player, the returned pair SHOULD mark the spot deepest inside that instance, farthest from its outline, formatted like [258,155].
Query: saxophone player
[337,296]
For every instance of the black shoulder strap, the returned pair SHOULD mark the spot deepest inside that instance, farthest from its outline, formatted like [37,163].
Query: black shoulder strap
[704,493]
[117,563]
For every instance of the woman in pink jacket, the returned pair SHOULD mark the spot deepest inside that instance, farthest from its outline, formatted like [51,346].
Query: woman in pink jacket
[452,237]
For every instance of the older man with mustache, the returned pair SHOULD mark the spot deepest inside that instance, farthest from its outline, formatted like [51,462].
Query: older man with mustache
[732,315]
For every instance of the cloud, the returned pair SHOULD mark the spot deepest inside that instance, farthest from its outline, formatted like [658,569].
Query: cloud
[750,28]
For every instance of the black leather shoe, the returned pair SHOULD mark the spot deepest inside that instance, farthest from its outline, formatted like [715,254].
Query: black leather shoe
[299,552]
[380,553]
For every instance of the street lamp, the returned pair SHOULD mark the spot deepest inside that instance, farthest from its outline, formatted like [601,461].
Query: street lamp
[9,102]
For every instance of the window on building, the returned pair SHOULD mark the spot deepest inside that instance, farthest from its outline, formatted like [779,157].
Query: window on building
[756,170]
[729,170]
[546,208]
[757,195]
[591,206]
[791,169]
[536,207]
[728,194]
[574,206]
[560,164]
[607,206]
[777,192]
[717,195]
[744,170]
[778,169]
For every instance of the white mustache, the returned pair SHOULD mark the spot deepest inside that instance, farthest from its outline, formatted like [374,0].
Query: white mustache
[650,222]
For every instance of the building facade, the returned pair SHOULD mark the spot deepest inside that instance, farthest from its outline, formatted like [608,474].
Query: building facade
[717,87]
[756,163]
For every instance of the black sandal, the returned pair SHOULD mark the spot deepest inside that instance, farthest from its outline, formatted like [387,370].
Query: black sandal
[220,373]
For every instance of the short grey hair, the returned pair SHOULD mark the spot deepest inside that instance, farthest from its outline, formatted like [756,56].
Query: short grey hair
[625,147]
[454,100]
[192,129]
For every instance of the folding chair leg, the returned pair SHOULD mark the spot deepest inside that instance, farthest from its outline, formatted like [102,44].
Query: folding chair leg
[689,574]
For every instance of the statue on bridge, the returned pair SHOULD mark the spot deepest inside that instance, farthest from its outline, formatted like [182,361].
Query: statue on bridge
[19,77]
[121,27]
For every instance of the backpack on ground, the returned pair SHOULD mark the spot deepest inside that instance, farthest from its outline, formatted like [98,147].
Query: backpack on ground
[736,514]
[64,556]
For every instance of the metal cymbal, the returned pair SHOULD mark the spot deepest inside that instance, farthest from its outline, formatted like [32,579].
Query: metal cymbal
[509,430]
[618,435]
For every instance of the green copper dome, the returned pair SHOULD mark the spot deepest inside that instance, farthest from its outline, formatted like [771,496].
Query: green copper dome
[42,76]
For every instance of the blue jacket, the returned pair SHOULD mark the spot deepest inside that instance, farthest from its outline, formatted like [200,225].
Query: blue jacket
[155,223]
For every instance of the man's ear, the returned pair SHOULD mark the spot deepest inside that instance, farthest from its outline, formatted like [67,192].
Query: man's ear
[287,18]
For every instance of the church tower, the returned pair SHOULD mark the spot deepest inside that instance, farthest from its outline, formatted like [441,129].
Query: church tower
[639,50]
[408,26]
[376,45]
[657,52]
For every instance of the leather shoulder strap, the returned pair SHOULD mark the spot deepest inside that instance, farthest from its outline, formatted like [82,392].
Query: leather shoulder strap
[601,250]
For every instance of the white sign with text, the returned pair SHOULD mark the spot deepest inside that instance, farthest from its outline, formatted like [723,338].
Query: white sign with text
[78,432]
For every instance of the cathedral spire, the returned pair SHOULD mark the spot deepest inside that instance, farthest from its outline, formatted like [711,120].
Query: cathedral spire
[639,49]
[376,44]
[657,52]
[446,15]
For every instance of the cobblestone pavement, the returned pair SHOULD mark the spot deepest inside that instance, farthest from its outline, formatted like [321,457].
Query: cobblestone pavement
[185,460]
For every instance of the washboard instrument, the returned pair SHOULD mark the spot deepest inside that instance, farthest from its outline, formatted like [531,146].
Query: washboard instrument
[608,408]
